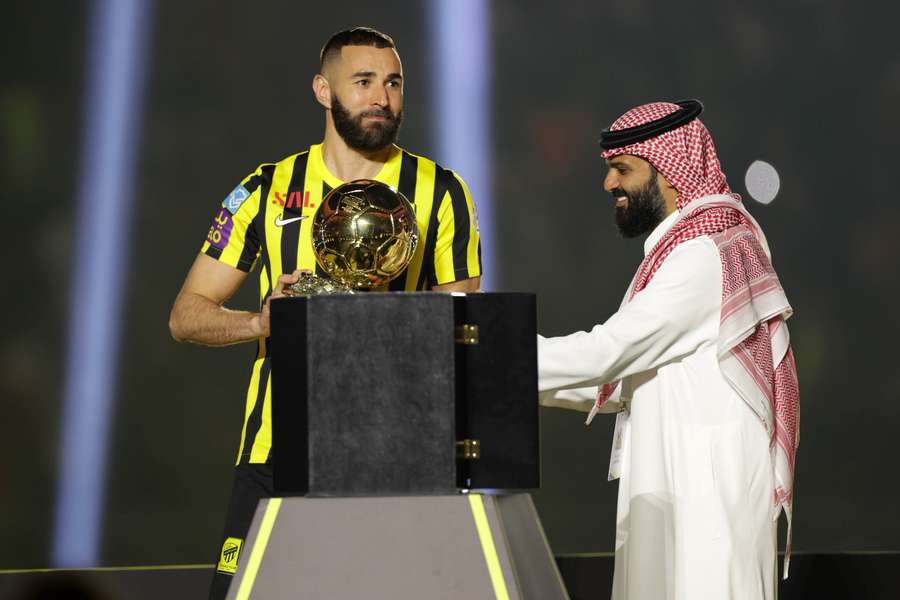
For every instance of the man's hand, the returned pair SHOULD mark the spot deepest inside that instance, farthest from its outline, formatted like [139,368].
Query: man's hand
[199,316]
[278,292]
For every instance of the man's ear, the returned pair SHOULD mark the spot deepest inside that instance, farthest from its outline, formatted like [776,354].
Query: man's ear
[322,90]
[669,193]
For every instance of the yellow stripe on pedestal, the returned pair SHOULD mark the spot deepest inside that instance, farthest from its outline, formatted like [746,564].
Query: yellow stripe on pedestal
[259,548]
[488,546]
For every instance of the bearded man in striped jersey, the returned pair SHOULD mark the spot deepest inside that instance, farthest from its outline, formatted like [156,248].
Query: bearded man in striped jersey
[265,222]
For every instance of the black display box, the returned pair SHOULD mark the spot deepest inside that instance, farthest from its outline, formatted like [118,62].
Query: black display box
[404,393]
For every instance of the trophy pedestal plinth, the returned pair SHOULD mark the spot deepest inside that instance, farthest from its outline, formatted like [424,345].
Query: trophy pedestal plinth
[462,546]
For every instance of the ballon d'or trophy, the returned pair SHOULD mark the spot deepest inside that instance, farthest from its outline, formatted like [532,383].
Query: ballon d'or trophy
[364,234]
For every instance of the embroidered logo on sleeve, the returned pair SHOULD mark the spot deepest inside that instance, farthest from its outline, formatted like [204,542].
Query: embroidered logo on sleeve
[221,229]
[234,200]
[228,560]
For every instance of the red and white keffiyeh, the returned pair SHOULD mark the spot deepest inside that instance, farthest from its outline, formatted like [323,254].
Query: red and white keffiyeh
[686,156]
[754,345]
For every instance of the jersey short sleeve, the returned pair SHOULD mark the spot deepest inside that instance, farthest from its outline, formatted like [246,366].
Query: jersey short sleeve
[232,238]
[457,252]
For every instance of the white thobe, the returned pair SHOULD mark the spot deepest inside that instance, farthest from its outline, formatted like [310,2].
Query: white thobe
[696,518]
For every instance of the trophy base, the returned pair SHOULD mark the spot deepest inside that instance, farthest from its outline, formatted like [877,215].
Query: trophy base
[310,285]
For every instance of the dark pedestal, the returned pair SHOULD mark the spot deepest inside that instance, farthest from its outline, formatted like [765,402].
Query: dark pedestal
[375,394]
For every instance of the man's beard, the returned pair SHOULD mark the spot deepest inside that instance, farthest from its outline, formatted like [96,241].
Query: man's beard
[377,136]
[645,210]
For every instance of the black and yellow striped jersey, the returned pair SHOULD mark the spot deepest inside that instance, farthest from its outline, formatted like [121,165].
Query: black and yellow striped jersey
[266,220]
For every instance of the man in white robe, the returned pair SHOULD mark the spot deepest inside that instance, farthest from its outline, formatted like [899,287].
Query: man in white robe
[698,367]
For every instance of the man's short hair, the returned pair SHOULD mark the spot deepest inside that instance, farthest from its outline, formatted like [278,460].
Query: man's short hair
[356,36]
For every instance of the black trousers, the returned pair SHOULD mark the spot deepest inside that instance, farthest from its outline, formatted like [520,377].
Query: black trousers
[252,482]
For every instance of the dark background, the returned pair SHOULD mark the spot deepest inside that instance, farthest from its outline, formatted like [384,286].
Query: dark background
[812,87]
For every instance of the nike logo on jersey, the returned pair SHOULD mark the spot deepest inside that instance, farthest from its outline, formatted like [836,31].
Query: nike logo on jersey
[279,222]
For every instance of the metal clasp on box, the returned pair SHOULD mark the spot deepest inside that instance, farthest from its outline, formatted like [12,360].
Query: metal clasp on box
[468,449]
[467,334]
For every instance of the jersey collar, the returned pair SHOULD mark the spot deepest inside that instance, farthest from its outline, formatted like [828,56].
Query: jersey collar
[389,171]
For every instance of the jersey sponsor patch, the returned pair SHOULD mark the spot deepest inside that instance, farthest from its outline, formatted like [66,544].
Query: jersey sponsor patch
[234,200]
[228,559]
[221,229]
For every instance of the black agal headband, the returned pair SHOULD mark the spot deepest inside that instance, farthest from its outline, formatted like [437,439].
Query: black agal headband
[690,110]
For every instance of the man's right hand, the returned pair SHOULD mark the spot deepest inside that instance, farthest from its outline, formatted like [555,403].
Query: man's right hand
[198,315]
